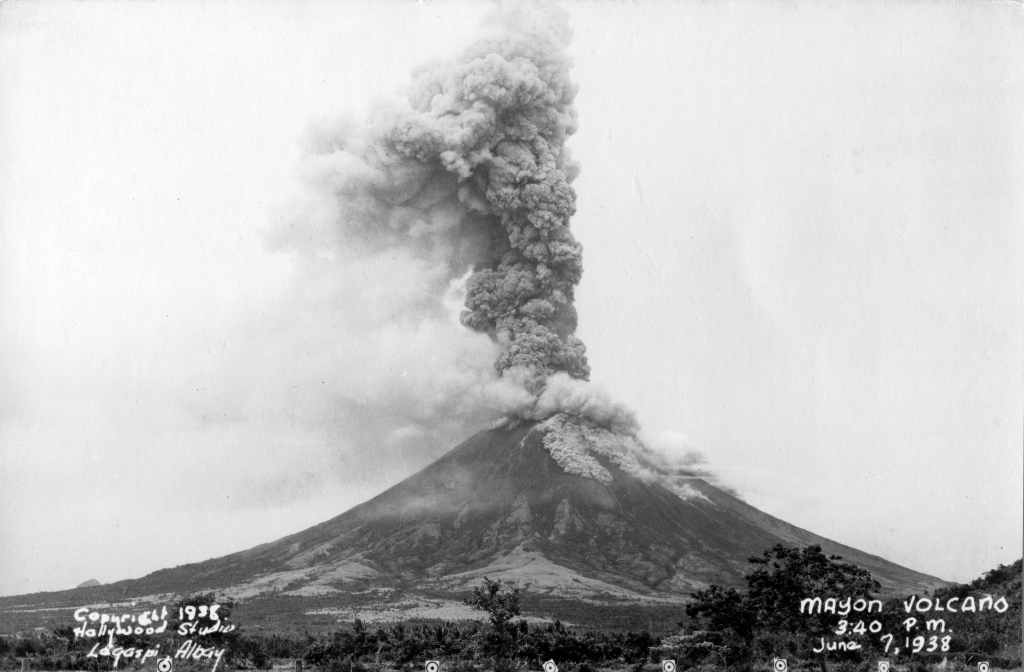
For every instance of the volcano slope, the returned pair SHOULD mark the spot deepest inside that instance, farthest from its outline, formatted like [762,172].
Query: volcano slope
[499,505]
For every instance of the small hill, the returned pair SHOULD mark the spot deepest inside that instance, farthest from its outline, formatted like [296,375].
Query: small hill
[89,584]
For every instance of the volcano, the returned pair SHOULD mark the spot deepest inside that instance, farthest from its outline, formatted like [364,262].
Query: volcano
[499,505]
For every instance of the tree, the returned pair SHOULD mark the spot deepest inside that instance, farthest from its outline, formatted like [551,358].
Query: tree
[788,575]
[727,624]
[723,609]
[692,649]
[501,607]
[768,616]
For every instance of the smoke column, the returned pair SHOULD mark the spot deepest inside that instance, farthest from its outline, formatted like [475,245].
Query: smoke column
[470,171]
[467,174]
[497,122]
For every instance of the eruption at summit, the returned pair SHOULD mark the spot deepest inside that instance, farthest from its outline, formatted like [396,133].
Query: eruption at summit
[435,255]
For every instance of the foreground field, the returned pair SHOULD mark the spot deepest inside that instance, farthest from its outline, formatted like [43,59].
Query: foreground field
[771,627]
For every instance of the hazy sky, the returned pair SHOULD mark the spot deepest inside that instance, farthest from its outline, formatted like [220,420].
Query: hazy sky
[802,231]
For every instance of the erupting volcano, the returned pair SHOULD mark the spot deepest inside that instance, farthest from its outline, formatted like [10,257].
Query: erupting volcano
[500,505]
[467,178]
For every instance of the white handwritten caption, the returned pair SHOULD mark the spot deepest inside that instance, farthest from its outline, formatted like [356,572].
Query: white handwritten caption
[921,605]
[97,624]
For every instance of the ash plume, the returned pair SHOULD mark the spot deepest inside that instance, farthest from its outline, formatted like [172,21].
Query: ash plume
[498,121]
[464,181]
[469,171]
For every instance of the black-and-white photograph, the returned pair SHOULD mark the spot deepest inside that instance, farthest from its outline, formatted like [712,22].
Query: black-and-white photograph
[511,336]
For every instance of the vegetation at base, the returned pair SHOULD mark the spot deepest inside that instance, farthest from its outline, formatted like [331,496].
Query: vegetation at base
[722,629]
[765,622]
[735,630]
[989,632]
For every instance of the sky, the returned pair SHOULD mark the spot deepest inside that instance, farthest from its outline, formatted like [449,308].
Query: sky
[802,233]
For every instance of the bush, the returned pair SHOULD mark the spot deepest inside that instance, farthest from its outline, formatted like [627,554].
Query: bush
[465,666]
[505,665]
[24,648]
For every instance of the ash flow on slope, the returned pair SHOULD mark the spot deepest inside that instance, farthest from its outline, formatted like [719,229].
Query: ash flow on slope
[465,181]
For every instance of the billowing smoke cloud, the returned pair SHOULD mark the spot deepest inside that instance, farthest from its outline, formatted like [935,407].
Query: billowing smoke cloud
[469,172]
[466,178]
[497,121]
[461,185]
